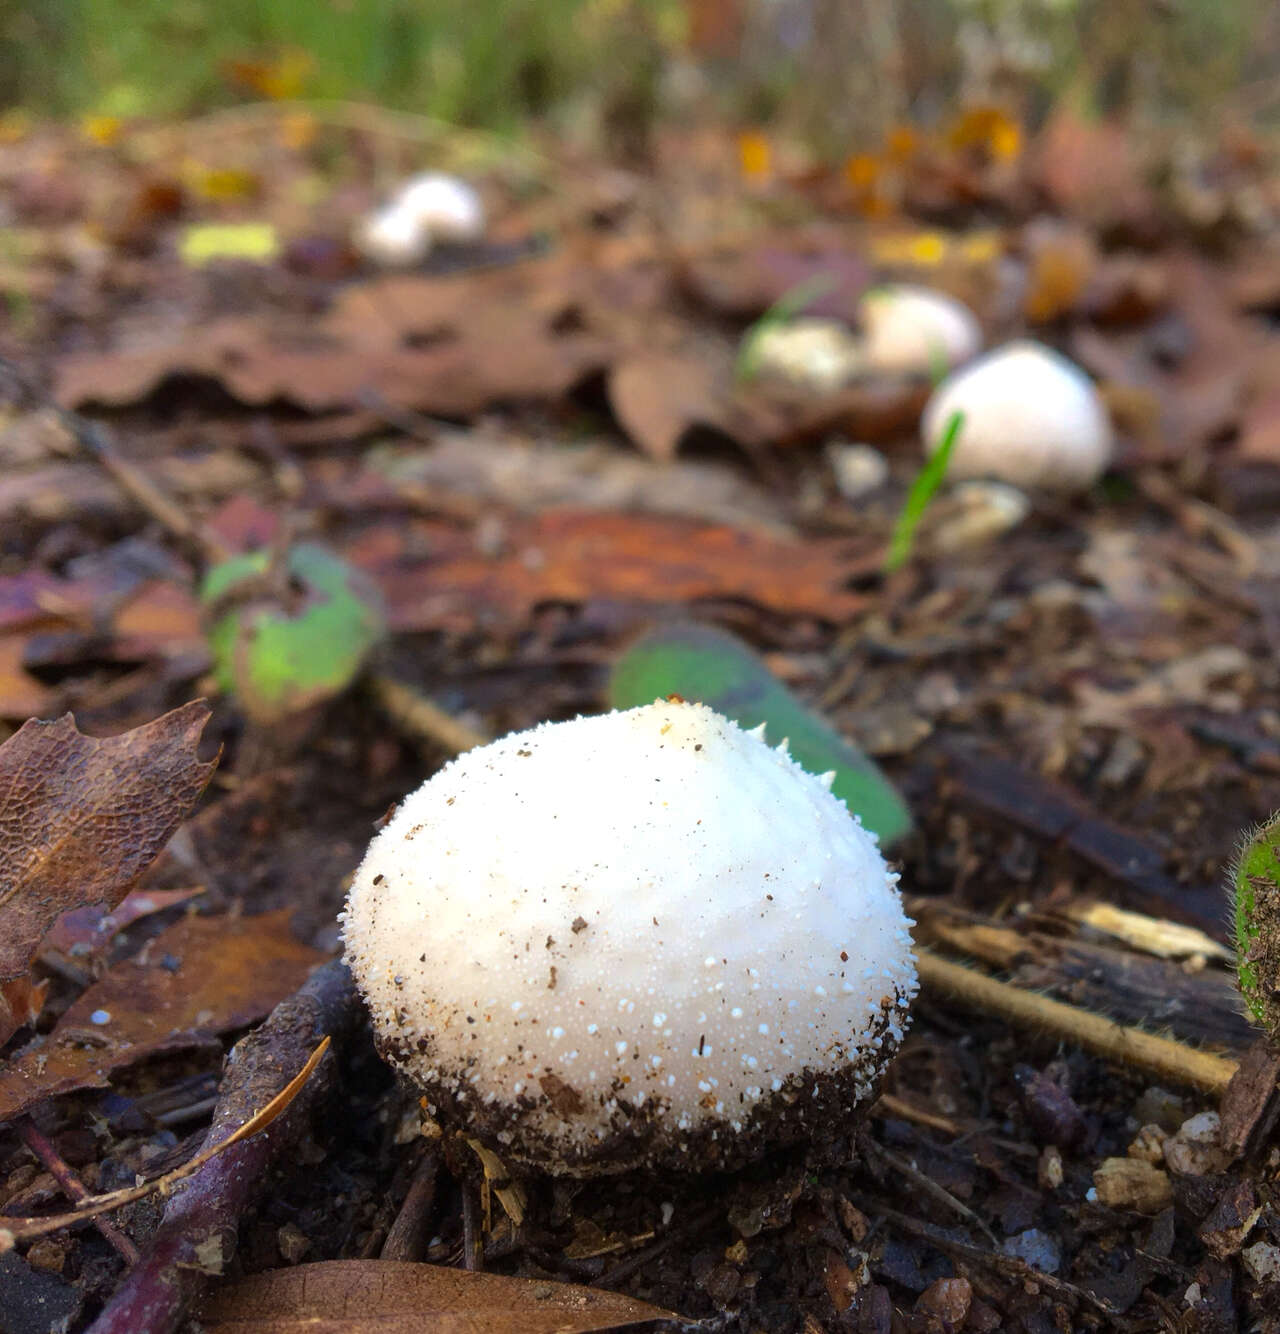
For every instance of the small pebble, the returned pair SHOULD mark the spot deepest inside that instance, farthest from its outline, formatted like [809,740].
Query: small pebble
[1148,1146]
[1195,1150]
[1037,1249]
[858,469]
[1132,1183]
[1049,1169]
[1262,1260]
[948,1299]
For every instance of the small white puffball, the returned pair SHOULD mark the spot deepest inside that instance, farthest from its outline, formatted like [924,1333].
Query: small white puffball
[392,238]
[642,938]
[858,470]
[815,353]
[448,208]
[912,330]
[1031,418]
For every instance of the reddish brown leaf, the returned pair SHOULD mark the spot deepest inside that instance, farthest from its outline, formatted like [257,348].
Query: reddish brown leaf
[397,1297]
[21,1000]
[81,818]
[576,556]
[201,977]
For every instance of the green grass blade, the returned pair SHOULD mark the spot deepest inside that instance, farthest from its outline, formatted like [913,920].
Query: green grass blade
[712,667]
[923,489]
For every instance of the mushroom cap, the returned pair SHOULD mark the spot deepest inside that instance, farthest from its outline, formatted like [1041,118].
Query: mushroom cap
[1031,418]
[392,237]
[640,938]
[910,329]
[811,351]
[448,207]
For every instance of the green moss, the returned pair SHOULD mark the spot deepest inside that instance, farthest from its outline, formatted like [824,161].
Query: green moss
[1256,887]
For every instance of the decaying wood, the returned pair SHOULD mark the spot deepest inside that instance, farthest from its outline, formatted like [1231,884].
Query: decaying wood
[1195,1004]
[1251,1102]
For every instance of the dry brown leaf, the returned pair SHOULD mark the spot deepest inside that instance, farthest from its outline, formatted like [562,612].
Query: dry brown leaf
[656,399]
[398,1297]
[82,817]
[444,345]
[1260,430]
[21,695]
[578,556]
[201,977]
[21,1000]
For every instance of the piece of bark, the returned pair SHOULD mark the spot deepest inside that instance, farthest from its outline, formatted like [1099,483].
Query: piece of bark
[1251,1102]
[1131,988]
[197,1234]
[1052,811]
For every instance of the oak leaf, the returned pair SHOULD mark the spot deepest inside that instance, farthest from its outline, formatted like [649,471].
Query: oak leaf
[82,817]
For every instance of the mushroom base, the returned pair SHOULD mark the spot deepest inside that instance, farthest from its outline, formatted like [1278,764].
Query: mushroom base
[813,1105]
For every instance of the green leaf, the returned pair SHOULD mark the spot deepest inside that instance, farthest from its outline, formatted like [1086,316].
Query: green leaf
[1256,884]
[923,489]
[282,644]
[709,666]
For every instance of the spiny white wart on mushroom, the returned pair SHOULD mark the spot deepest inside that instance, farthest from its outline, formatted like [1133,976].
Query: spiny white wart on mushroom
[646,937]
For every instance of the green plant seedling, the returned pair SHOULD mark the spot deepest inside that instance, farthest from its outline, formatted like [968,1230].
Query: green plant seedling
[1256,890]
[923,489]
[784,309]
[289,633]
[707,665]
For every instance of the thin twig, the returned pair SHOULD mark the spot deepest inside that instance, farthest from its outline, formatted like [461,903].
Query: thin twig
[23,1229]
[1131,1047]
[889,1105]
[927,1186]
[420,718]
[197,1234]
[96,441]
[405,1235]
[472,1256]
[1010,1265]
[74,1188]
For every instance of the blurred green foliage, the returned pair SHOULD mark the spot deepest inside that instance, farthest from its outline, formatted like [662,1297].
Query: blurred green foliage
[830,68]
[481,62]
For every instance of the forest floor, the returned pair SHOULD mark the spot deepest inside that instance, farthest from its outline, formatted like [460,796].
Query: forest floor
[536,447]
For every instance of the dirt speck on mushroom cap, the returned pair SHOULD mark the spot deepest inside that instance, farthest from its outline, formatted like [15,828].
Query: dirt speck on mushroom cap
[742,935]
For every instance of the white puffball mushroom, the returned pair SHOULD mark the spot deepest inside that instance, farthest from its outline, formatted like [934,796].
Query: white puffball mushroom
[449,208]
[392,238]
[811,352]
[1031,418]
[645,938]
[913,330]
[858,470]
